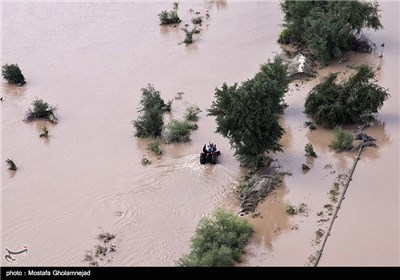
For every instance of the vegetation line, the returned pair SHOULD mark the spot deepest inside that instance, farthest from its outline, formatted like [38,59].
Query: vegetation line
[349,178]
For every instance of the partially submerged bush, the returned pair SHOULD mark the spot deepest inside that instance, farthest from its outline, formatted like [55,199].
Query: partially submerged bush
[197,20]
[343,140]
[41,110]
[145,161]
[105,237]
[150,122]
[171,16]
[293,210]
[44,132]
[11,165]
[177,131]
[309,149]
[189,35]
[319,233]
[192,113]
[154,147]
[331,104]
[290,209]
[219,241]
[12,74]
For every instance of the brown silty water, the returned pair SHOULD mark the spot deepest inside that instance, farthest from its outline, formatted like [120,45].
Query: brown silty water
[91,59]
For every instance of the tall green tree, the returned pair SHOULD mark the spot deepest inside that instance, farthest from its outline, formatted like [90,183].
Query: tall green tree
[333,104]
[149,124]
[247,114]
[327,28]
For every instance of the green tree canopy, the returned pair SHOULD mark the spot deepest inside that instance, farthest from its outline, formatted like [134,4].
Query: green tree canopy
[12,74]
[333,104]
[247,114]
[219,241]
[327,28]
[150,122]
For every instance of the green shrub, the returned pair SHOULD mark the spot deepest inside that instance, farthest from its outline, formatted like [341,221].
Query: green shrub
[197,20]
[343,140]
[290,209]
[41,110]
[171,16]
[302,207]
[309,149]
[154,147]
[189,35]
[331,104]
[151,99]
[149,124]
[192,113]
[219,241]
[105,237]
[11,164]
[44,132]
[177,131]
[12,74]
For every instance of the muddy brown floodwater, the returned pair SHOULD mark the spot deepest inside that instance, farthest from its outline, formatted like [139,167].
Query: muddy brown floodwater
[91,59]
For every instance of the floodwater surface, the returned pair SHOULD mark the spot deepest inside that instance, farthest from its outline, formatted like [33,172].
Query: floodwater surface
[92,59]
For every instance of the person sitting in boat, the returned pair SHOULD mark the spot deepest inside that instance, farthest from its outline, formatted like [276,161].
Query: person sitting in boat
[205,149]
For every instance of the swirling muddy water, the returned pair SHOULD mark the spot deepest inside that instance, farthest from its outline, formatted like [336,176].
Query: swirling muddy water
[91,59]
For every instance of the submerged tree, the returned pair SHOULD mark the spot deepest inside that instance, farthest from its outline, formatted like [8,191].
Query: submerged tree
[309,149]
[11,165]
[218,241]
[171,16]
[328,28]
[331,104]
[12,74]
[152,106]
[41,110]
[189,35]
[178,131]
[247,114]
